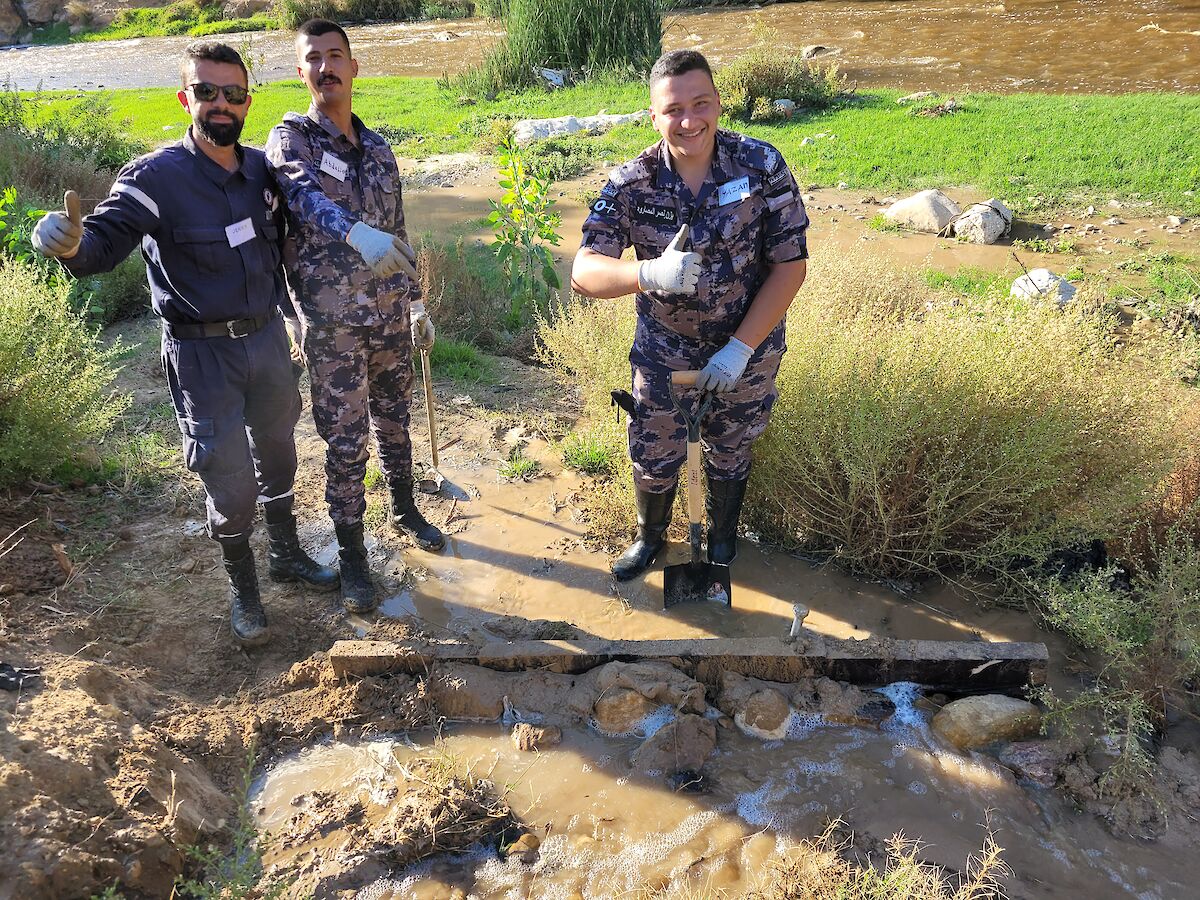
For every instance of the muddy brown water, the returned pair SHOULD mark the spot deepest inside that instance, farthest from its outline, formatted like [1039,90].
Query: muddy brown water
[609,832]
[1098,46]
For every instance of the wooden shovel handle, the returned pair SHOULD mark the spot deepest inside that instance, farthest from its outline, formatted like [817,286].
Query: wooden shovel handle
[686,378]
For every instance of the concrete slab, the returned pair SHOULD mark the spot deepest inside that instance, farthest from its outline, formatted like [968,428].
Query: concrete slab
[958,666]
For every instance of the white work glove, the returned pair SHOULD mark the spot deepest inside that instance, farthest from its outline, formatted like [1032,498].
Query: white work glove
[421,325]
[725,367]
[385,253]
[296,339]
[675,272]
[59,233]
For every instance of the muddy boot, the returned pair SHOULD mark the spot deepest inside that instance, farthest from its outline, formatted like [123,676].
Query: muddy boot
[654,515]
[286,559]
[407,518]
[724,508]
[358,593]
[247,618]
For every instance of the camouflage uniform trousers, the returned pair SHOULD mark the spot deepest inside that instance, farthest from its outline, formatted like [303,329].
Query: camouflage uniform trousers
[361,382]
[237,406]
[658,434]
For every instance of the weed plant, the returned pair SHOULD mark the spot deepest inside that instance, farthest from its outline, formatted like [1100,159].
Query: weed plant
[54,377]
[914,434]
[459,362]
[518,466]
[582,37]
[588,452]
[293,13]
[466,292]
[770,71]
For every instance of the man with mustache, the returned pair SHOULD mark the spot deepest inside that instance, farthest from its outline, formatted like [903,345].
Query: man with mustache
[718,227]
[206,215]
[354,285]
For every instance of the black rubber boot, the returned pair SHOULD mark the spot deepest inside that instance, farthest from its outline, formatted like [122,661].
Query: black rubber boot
[407,518]
[654,516]
[724,505]
[247,618]
[286,559]
[358,593]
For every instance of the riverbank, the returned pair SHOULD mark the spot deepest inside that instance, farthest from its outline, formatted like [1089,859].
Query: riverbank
[1037,152]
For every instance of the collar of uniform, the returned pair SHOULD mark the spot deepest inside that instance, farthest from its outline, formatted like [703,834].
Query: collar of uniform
[215,172]
[326,124]
[721,163]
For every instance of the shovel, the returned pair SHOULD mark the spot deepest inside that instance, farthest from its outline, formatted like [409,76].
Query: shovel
[695,581]
[432,482]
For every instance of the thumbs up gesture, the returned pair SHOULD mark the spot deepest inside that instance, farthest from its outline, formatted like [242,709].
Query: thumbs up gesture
[58,233]
[677,271]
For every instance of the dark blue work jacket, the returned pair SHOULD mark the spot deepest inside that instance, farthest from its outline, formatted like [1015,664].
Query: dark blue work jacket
[211,238]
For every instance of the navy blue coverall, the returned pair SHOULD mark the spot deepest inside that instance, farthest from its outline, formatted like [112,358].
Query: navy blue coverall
[211,241]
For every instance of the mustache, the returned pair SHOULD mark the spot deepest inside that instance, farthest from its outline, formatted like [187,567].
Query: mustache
[329,79]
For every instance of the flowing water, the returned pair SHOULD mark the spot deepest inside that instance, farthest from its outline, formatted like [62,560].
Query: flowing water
[608,832]
[1098,46]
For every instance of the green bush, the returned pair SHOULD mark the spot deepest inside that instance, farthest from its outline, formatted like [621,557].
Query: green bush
[113,296]
[292,13]
[584,37]
[54,377]
[915,434]
[771,72]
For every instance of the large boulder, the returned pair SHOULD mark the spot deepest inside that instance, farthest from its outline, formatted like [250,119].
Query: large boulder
[1042,284]
[244,9]
[680,746]
[43,12]
[979,721]
[657,681]
[622,711]
[529,130]
[1038,762]
[930,211]
[984,223]
[10,24]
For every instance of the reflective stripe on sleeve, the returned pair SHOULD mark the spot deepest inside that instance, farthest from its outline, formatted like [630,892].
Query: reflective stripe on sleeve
[137,194]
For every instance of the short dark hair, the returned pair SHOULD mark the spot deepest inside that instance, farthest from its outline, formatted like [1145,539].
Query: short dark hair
[318,27]
[679,62]
[212,51]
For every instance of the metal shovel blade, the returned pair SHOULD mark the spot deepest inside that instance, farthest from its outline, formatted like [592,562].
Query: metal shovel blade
[696,582]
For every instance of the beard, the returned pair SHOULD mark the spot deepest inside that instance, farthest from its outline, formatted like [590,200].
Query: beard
[223,134]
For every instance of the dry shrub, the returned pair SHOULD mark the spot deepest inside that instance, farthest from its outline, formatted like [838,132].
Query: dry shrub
[773,71]
[43,177]
[914,434]
[818,870]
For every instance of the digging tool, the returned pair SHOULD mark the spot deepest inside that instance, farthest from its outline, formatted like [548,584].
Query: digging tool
[694,581]
[431,483]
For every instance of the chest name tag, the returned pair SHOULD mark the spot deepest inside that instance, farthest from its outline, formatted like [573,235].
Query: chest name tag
[653,212]
[331,165]
[733,191]
[240,232]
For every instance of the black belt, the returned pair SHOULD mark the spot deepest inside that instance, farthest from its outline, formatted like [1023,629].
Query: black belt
[235,328]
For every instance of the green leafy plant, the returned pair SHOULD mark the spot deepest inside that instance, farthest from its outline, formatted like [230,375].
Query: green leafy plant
[587,452]
[772,71]
[525,228]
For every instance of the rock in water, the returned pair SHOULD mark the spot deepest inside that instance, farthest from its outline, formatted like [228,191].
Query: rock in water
[930,211]
[682,745]
[766,715]
[1043,284]
[535,737]
[984,223]
[622,711]
[978,721]
[1039,762]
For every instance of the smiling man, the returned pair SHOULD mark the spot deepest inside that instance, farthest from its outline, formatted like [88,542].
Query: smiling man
[718,228]
[352,280]
[207,217]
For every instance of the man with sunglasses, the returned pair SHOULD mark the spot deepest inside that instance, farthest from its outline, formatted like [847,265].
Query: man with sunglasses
[205,212]
[355,288]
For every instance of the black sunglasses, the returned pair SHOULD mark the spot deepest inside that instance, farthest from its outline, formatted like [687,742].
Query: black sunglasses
[206,92]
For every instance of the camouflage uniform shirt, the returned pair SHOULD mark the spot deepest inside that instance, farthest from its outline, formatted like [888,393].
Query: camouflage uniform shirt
[329,185]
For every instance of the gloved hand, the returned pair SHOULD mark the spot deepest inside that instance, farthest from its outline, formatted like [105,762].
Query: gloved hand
[296,338]
[725,367]
[385,253]
[59,233]
[675,272]
[421,325]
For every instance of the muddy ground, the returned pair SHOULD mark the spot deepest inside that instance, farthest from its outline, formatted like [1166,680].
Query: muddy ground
[133,741]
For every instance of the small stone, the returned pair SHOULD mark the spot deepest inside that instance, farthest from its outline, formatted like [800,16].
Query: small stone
[1139,231]
[765,715]
[6,589]
[1115,204]
[1090,211]
[679,746]
[842,185]
[125,534]
[1038,762]
[535,737]
[1176,221]
[524,848]
[1114,220]
[189,565]
[807,141]
[978,721]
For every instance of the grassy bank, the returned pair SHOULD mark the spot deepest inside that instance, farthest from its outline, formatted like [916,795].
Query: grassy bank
[1035,151]
[186,17]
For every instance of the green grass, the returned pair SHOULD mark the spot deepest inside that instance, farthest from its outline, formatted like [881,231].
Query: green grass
[1171,282]
[1041,245]
[880,222]
[587,453]
[970,281]
[177,19]
[460,362]
[518,466]
[1034,151]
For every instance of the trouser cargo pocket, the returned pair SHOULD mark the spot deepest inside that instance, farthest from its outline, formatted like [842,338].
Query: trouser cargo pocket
[199,445]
